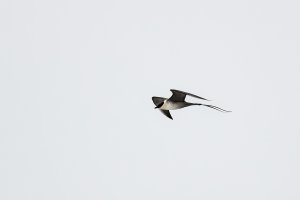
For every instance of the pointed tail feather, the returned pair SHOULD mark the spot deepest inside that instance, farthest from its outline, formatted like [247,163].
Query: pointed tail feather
[211,106]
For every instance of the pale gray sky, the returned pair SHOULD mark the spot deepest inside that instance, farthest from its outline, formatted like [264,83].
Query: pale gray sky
[77,120]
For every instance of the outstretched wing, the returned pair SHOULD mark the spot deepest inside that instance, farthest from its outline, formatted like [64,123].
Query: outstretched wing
[166,113]
[180,95]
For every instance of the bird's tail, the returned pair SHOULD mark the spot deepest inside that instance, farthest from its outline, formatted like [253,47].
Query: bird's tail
[211,106]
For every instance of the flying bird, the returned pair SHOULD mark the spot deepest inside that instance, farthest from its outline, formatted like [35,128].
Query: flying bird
[177,101]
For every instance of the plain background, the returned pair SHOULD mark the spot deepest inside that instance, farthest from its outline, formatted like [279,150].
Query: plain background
[77,120]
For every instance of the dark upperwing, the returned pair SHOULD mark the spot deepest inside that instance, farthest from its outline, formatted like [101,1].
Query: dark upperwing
[179,96]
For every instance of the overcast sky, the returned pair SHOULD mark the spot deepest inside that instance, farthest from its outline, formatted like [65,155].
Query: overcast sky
[77,120]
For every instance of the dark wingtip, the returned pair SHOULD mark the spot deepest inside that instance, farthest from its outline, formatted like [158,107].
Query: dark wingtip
[205,99]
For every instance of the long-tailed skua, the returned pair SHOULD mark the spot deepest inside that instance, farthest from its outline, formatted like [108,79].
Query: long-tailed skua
[177,101]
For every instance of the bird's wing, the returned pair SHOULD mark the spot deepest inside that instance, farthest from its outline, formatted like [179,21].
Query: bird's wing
[158,100]
[166,113]
[180,95]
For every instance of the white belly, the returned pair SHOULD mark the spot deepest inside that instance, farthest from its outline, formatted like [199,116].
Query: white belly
[172,105]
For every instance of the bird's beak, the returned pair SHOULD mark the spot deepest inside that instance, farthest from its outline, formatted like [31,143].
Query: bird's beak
[156,107]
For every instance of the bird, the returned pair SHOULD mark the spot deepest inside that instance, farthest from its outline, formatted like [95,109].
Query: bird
[177,101]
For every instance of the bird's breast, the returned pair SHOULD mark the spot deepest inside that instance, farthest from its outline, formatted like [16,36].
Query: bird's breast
[170,105]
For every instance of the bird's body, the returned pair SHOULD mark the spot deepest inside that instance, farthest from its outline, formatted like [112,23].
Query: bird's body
[177,101]
[171,105]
